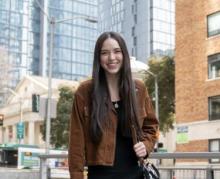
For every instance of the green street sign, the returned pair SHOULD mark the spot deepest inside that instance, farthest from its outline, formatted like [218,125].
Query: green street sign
[20,130]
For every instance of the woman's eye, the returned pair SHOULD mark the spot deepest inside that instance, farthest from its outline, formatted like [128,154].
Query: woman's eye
[104,53]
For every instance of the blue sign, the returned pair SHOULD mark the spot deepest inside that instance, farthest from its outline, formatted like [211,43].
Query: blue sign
[20,130]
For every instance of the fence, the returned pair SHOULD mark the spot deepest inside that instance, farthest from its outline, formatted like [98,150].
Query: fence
[207,171]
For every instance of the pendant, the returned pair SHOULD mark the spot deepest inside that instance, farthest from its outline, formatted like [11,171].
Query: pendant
[116,105]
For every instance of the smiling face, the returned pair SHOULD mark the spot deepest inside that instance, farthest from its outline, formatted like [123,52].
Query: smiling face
[111,57]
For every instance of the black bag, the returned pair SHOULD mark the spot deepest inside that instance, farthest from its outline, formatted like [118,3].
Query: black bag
[148,169]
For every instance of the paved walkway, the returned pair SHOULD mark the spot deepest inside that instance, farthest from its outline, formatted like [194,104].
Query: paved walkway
[9,173]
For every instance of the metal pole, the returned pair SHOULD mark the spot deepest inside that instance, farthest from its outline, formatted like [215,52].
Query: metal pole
[43,168]
[156,108]
[156,97]
[21,116]
[48,121]
[53,23]
[3,135]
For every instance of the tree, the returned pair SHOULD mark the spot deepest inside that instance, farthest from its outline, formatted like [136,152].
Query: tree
[60,125]
[164,68]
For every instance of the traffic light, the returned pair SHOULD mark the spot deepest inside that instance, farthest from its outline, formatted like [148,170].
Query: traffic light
[35,102]
[1,119]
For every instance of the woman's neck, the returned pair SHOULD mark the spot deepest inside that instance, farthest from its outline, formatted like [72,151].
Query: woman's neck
[113,87]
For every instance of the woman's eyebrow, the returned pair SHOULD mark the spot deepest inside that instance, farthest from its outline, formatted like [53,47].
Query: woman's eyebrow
[116,48]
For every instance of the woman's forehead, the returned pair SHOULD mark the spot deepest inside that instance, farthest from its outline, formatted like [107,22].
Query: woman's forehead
[110,43]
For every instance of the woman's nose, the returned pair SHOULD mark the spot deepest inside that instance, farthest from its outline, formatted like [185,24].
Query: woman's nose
[111,55]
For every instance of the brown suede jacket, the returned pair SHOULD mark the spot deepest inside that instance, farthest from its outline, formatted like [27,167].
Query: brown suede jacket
[82,151]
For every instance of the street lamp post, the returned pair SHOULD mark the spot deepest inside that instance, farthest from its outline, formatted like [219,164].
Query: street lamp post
[53,23]
[156,97]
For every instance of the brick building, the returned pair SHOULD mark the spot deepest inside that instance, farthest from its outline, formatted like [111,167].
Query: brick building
[198,75]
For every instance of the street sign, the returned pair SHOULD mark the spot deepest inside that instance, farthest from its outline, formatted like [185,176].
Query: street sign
[43,108]
[182,135]
[20,130]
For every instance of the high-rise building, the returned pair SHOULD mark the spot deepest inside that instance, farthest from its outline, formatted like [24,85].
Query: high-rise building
[25,31]
[147,26]
[14,30]
[197,75]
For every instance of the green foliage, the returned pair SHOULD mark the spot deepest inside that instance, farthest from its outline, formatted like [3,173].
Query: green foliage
[164,68]
[60,125]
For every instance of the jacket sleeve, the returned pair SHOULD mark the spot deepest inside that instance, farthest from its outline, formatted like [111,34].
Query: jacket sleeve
[150,126]
[76,154]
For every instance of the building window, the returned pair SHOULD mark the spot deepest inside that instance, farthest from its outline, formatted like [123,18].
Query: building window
[214,108]
[214,146]
[133,31]
[132,51]
[135,18]
[214,66]
[213,24]
[135,41]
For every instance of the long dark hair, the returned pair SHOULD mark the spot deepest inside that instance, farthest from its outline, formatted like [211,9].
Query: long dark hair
[100,95]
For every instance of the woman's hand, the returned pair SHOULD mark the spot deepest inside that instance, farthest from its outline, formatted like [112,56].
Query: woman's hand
[140,149]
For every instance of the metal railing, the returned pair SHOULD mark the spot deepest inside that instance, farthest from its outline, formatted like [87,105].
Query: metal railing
[207,171]
[192,171]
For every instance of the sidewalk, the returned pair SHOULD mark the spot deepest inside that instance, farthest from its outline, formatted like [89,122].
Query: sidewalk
[9,173]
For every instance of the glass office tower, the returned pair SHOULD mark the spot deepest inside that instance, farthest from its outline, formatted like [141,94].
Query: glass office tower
[75,39]
[22,36]
[163,27]
[14,37]
[25,31]
[147,25]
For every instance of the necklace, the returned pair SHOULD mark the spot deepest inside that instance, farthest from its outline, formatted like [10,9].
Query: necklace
[116,105]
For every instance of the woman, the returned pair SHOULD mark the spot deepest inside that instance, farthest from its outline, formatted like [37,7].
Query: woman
[103,112]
